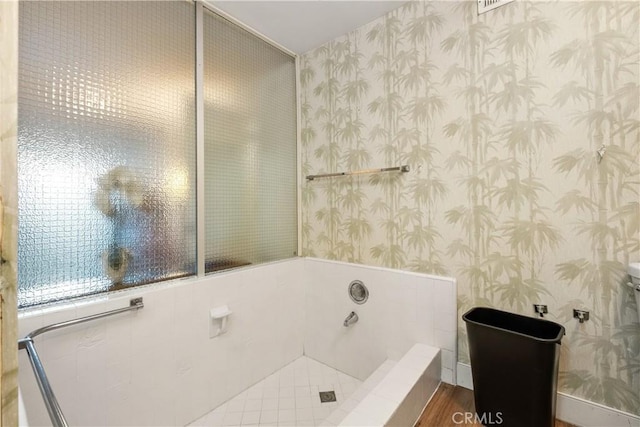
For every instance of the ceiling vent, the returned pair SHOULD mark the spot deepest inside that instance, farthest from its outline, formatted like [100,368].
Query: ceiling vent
[487,5]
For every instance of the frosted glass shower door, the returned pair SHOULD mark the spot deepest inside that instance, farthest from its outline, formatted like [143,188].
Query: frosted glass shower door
[250,148]
[106,146]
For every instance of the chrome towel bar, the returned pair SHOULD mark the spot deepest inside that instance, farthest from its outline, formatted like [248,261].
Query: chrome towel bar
[404,168]
[26,343]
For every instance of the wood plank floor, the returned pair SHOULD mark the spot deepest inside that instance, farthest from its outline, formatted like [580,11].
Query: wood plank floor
[446,402]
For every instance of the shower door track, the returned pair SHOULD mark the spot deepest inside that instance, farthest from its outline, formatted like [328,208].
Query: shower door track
[26,343]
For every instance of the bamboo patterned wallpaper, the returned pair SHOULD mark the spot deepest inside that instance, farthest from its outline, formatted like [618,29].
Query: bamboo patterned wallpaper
[499,117]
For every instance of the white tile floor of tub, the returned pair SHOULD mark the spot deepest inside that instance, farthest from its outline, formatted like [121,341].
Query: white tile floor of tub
[289,397]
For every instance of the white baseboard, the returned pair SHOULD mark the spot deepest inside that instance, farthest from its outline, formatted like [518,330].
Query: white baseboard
[572,409]
[464,376]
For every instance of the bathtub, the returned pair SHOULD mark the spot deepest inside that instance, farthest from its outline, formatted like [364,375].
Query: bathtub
[395,394]
[160,366]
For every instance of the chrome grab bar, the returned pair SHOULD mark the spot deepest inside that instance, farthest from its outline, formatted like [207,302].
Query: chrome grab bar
[26,343]
[50,401]
[134,304]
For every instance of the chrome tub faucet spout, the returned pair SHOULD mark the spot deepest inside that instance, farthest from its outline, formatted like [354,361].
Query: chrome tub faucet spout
[351,319]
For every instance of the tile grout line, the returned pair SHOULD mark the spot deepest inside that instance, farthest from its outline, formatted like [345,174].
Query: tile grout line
[293,377]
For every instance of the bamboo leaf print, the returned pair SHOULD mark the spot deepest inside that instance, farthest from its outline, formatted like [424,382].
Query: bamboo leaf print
[499,117]
[573,92]
[577,202]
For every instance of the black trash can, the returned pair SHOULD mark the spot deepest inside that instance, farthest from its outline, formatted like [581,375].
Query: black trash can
[514,362]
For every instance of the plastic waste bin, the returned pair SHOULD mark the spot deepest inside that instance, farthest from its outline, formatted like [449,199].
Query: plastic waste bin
[514,362]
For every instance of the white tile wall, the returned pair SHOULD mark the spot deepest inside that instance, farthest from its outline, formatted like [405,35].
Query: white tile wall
[399,398]
[158,366]
[415,401]
[403,309]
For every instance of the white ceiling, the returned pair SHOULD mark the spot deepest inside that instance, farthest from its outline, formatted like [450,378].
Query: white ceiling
[303,25]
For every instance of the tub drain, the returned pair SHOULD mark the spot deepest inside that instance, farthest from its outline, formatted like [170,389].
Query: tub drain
[327,396]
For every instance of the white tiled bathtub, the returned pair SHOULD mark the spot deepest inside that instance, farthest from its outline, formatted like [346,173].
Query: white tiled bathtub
[404,308]
[288,397]
[159,367]
[394,395]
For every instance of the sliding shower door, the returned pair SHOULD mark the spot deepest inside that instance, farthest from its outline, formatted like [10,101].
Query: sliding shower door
[250,150]
[106,151]
[107,143]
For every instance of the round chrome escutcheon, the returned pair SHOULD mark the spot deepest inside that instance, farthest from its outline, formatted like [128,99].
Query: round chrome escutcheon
[358,292]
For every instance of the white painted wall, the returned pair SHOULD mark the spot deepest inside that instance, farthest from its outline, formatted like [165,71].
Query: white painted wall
[403,309]
[158,366]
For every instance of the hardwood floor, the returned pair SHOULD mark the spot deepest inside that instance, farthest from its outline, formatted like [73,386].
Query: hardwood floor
[448,406]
